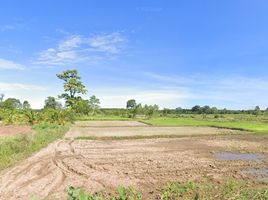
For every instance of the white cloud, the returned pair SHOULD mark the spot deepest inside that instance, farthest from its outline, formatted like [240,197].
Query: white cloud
[9,64]
[78,48]
[235,92]
[19,86]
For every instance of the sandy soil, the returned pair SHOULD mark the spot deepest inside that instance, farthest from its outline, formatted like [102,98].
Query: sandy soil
[14,129]
[132,128]
[145,163]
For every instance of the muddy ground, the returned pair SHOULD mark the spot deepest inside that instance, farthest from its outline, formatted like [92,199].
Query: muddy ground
[145,163]
[14,130]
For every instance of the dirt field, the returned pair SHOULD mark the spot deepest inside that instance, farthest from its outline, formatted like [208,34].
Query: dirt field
[132,128]
[13,130]
[145,163]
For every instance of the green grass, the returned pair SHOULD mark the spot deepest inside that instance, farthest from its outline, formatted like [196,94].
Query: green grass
[17,148]
[123,193]
[231,189]
[254,126]
[202,190]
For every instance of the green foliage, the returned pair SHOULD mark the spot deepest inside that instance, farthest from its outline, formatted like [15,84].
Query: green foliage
[11,104]
[207,191]
[52,103]
[72,87]
[16,148]
[131,104]
[94,104]
[123,194]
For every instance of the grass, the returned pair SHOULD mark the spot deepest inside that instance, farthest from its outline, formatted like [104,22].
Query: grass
[205,190]
[123,193]
[231,189]
[254,126]
[17,148]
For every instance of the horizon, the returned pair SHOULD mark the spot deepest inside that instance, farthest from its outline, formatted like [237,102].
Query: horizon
[173,54]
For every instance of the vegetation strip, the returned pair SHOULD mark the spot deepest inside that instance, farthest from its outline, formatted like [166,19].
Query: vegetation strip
[146,136]
[16,148]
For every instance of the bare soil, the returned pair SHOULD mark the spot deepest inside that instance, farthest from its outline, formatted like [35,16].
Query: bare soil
[14,130]
[132,128]
[146,163]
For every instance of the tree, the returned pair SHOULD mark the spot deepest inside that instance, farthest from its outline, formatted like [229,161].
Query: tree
[11,104]
[197,109]
[26,105]
[94,104]
[73,87]
[214,110]
[51,103]
[150,110]
[1,98]
[131,104]
[257,110]
[82,107]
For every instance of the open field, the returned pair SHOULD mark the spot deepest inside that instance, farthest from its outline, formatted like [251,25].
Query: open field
[147,164]
[132,128]
[231,123]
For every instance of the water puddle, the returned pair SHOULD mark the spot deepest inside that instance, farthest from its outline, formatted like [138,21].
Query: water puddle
[260,174]
[240,156]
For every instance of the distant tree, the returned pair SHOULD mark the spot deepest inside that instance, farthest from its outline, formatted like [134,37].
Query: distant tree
[165,111]
[1,98]
[52,103]
[94,104]
[73,87]
[206,110]
[214,110]
[26,105]
[257,110]
[131,104]
[197,109]
[150,110]
[179,110]
[11,104]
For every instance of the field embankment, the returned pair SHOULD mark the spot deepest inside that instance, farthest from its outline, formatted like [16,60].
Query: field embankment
[17,146]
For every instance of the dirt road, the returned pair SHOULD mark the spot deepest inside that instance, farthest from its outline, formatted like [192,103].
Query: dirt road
[145,163]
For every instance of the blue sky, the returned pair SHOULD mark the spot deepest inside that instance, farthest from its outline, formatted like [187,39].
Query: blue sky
[172,53]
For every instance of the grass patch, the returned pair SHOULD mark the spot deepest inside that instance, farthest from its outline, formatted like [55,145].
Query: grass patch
[231,189]
[257,127]
[135,137]
[17,148]
[205,190]
[123,193]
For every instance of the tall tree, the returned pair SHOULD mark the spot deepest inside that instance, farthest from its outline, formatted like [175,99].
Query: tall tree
[73,87]
[94,104]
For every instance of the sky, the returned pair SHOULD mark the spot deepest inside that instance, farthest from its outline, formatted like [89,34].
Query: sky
[166,52]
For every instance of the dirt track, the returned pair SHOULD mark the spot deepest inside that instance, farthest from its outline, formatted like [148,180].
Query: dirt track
[146,163]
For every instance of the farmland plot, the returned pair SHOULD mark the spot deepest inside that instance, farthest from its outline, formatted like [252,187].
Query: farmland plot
[145,163]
